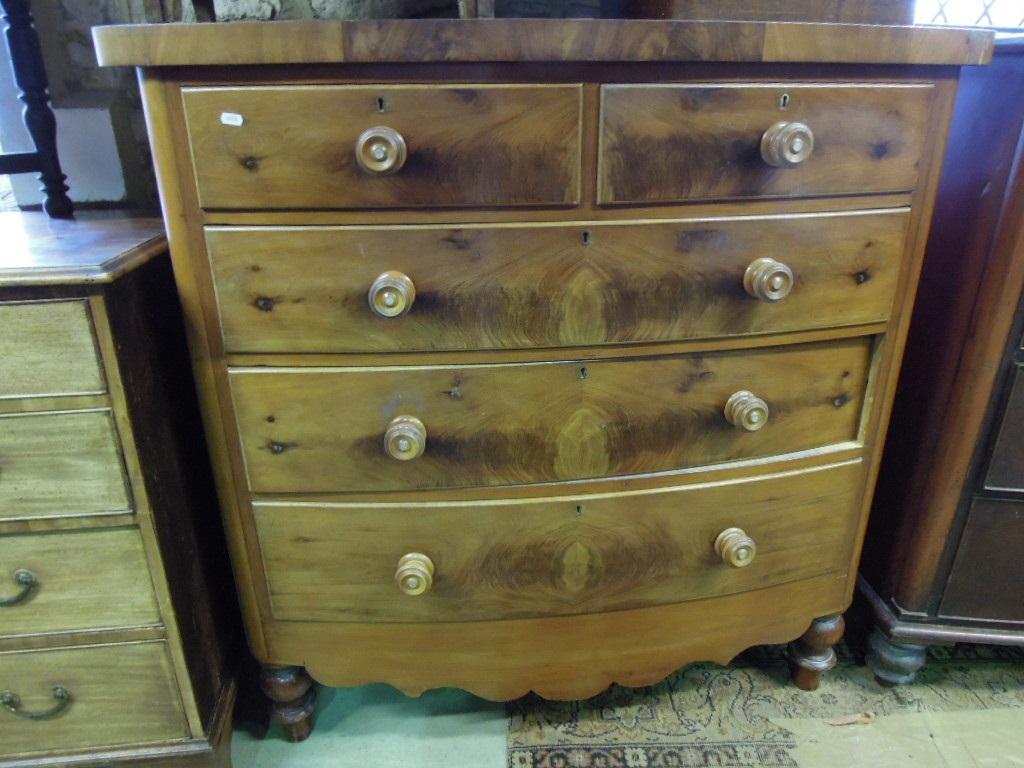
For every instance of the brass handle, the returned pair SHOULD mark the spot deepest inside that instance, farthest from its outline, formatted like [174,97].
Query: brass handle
[768,280]
[391,294]
[12,702]
[405,438]
[380,151]
[27,581]
[785,145]
[735,547]
[415,574]
[747,410]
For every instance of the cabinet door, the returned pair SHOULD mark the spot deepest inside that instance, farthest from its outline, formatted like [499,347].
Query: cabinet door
[1006,468]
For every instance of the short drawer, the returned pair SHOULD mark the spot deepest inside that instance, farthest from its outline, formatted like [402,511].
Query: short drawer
[291,289]
[394,428]
[115,695]
[373,146]
[74,581]
[671,143]
[1006,467]
[48,348]
[60,464]
[579,554]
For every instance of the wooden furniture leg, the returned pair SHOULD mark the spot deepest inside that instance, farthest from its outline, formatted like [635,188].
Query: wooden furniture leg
[891,662]
[813,654]
[293,694]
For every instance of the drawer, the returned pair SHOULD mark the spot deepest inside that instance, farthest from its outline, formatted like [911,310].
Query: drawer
[79,581]
[378,146]
[48,348]
[60,464]
[118,695]
[291,289]
[1006,467]
[330,429]
[987,579]
[580,554]
[670,143]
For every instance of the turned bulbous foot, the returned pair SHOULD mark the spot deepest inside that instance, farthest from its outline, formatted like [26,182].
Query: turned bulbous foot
[891,662]
[813,655]
[293,694]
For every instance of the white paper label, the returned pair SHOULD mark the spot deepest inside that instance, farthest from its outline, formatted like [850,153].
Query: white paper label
[231,118]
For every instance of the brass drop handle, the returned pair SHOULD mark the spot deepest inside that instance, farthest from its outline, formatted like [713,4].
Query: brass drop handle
[746,410]
[391,294]
[786,145]
[12,702]
[381,151]
[405,438]
[768,280]
[27,581]
[415,574]
[735,547]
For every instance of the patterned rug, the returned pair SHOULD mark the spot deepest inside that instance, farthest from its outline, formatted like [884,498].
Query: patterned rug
[747,715]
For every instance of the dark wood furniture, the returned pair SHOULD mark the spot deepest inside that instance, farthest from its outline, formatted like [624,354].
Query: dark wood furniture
[942,562]
[548,374]
[117,627]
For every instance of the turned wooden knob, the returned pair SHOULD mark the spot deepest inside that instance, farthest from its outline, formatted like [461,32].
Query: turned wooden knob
[785,145]
[747,410]
[735,548]
[768,280]
[380,151]
[405,438]
[415,574]
[391,294]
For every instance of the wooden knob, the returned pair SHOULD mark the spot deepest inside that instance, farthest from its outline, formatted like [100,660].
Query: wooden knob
[380,151]
[747,410]
[415,574]
[768,280]
[405,438]
[391,294]
[785,145]
[735,548]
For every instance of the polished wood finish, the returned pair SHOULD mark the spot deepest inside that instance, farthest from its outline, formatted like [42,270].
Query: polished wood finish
[672,143]
[831,11]
[812,655]
[1006,466]
[500,145]
[520,286]
[293,694]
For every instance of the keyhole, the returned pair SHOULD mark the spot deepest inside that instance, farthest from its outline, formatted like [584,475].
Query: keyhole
[381,105]
[583,373]
[586,237]
[784,101]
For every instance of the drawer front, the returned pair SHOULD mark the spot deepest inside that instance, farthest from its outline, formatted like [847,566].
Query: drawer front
[322,430]
[118,695]
[311,289]
[48,348]
[670,143]
[584,554]
[86,580]
[1006,467]
[60,464]
[987,580]
[299,147]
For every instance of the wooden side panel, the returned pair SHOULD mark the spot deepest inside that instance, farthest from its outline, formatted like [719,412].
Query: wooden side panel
[320,430]
[558,556]
[521,286]
[47,348]
[1006,468]
[120,695]
[60,464]
[672,143]
[467,145]
[85,580]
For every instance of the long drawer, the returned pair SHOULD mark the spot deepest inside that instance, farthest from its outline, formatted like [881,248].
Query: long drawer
[326,289]
[60,464]
[576,554]
[74,581]
[115,695]
[408,427]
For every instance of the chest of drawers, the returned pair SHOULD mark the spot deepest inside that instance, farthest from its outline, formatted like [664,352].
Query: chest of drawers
[112,639]
[543,355]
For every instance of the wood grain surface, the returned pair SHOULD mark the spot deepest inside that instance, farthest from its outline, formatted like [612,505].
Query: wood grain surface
[1006,465]
[669,143]
[556,556]
[319,430]
[468,145]
[521,286]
